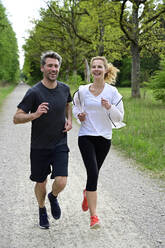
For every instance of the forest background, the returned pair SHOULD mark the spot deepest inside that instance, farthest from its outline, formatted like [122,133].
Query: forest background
[130,34]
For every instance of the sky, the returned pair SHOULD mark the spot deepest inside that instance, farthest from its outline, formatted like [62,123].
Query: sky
[20,13]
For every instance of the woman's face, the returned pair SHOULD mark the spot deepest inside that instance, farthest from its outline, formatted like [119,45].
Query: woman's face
[98,69]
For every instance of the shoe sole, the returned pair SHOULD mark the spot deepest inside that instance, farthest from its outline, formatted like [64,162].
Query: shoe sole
[42,227]
[95,226]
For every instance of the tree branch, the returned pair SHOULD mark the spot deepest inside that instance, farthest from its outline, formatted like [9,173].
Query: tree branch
[70,23]
[121,22]
[155,17]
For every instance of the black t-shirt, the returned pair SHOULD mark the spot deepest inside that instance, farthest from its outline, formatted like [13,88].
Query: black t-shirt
[47,130]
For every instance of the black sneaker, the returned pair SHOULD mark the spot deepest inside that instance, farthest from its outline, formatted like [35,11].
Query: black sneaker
[43,218]
[55,208]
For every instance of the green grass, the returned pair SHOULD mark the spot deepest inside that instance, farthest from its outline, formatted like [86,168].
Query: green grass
[5,91]
[143,138]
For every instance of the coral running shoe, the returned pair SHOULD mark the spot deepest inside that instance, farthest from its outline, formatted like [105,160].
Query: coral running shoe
[84,203]
[95,223]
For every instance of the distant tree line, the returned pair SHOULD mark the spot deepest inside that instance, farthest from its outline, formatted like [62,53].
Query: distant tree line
[9,59]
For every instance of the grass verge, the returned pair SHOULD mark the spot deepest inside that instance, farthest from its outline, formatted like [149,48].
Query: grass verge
[5,91]
[143,139]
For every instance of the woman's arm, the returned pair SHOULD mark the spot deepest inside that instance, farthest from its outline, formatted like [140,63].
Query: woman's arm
[117,112]
[76,105]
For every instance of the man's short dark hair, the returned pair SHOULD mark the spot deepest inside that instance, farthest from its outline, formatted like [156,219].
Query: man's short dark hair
[50,54]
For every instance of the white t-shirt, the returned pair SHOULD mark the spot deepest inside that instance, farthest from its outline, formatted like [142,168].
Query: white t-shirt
[98,119]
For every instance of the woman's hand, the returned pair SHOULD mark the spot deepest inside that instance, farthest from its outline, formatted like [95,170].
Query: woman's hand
[81,116]
[105,103]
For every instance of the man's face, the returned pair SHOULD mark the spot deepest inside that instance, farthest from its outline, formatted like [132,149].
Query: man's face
[51,69]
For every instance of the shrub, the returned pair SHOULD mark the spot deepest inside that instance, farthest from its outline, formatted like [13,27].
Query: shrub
[157,82]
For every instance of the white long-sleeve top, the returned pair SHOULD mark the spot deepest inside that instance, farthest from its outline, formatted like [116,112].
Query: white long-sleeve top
[98,121]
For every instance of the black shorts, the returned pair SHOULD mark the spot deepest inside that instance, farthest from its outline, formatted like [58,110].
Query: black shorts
[46,161]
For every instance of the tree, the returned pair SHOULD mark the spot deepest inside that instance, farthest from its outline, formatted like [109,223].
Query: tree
[9,70]
[54,32]
[142,29]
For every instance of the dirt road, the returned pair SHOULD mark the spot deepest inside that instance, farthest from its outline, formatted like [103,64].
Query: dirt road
[131,206]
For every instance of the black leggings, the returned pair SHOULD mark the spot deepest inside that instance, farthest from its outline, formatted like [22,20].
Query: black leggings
[94,150]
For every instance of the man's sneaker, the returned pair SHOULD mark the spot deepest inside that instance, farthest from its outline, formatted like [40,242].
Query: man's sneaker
[43,218]
[84,203]
[94,222]
[55,208]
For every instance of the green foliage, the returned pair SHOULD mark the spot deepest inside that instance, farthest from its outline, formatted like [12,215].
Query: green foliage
[74,82]
[79,30]
[148,65]
[125,72]
[157,82]
[76,30]
[9,70]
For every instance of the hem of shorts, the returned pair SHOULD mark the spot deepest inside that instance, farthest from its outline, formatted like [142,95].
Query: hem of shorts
[53,177]
[37,180]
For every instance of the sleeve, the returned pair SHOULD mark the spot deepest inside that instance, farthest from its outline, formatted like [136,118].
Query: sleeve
[76,104]
[27,102]
[116,112]
[69,96]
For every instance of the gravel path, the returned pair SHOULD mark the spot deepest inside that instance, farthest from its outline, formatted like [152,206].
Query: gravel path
[131,206]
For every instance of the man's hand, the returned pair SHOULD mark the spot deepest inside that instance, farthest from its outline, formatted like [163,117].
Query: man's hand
[23,117]
[42,109]
[68,126]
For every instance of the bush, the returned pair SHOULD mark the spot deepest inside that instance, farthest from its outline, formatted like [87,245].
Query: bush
[75,81]
[157,82]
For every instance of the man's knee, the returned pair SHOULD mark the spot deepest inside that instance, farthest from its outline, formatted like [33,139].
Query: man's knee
[61,182]
[41,185]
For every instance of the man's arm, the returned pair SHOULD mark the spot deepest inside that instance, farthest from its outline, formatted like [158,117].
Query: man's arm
[68,123]
[21,116]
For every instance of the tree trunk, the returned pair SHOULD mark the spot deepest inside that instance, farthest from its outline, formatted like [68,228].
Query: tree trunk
[67,74]
[135,52]
[135,73]
[87,71]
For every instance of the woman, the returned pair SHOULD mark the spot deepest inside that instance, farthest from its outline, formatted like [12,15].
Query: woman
[97,106]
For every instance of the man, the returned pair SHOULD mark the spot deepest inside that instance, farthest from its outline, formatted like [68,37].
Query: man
[47,105]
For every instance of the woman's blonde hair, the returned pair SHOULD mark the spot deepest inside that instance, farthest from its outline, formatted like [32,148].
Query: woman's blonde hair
[111,71]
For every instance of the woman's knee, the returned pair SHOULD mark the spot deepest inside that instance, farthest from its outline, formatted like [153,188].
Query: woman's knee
[92,183]
[91,187]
